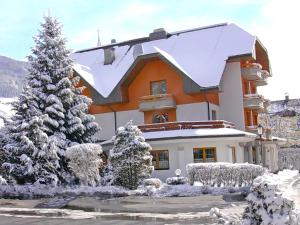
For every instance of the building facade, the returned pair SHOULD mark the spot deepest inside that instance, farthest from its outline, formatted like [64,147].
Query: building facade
[181,88]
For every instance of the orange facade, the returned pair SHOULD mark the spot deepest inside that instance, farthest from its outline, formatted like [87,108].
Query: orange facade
[156,70]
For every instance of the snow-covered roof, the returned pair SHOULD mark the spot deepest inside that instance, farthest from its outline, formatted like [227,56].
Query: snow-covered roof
[195,133]
[198,133]
[200,54]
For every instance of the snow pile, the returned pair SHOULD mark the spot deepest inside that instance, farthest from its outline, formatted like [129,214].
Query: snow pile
[85,162]
[266,203]
[289,158]
[295,217]
[155,182]
[130,157]
[223,174]
[225,218]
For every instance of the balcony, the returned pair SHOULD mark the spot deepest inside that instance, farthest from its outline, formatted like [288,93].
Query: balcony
[154,102]
[186,125]
[264,78]
[252,71]
[254,101]
[252,129]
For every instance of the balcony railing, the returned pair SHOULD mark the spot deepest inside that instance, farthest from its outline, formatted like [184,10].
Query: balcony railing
[252,71]
[185,125]
[264,78]
[160,101]
[254,101]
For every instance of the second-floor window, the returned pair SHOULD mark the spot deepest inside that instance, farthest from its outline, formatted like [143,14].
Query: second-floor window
[158,87]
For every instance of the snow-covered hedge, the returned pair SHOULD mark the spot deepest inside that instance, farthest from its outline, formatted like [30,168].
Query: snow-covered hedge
[223,174]
[176,180]
[289,158]
[266,203]
[85,162]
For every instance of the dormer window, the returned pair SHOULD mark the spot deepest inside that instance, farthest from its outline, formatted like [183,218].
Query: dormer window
[158,87]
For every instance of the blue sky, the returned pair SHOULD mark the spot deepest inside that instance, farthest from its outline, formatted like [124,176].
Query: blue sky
[273,21]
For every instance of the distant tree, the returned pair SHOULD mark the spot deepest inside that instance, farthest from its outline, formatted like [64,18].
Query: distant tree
[51,115]
[130,157]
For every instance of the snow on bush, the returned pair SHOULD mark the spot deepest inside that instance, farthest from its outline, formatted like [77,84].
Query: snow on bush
[85,162]
[266,203]
[2,181]
[130,157]
[155,182]
[223,174]
[107,175]
[176,180]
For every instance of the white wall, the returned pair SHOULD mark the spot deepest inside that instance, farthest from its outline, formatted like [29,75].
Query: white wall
[194,111]
[124,116]
[107,121]
[231,97]
[181,153]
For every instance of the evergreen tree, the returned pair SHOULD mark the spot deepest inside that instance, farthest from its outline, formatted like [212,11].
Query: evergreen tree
[51,115]
[130,157]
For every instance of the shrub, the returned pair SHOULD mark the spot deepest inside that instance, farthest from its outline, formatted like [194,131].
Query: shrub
[176,180]
[223,174]
[266,204]
[85,162]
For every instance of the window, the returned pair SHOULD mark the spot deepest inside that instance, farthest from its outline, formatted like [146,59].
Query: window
[204,155]
[160,159]
[158,87]
[213,114]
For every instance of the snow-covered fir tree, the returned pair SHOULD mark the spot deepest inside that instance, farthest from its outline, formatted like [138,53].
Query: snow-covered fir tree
[51,115]
[130,157]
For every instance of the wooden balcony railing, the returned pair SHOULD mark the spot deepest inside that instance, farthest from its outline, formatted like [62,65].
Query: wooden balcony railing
[185,125]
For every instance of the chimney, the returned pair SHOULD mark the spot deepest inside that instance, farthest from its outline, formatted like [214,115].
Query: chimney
[113,41]
[286,96]
[157,34]
[109,55]
[137,50]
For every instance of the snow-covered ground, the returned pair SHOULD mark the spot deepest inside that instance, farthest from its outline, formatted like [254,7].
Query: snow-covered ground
[5,109]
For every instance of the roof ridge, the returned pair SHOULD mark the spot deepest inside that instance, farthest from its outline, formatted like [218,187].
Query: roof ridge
[145,39]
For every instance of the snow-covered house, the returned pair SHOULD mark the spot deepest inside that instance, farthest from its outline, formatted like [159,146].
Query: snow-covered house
[181,88]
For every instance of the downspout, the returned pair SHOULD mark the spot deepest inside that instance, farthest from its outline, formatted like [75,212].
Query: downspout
[208,107]
[115,117]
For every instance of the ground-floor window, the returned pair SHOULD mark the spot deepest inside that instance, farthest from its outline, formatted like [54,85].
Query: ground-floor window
[204,155]
[160,159]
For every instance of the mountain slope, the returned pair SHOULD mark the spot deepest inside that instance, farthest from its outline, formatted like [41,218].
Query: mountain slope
[12,74]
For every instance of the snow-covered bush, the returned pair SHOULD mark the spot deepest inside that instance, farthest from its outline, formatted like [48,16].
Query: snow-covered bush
[130,157]
[266,203]
[155,182]
[176,180]
[85,162]
[223,174]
